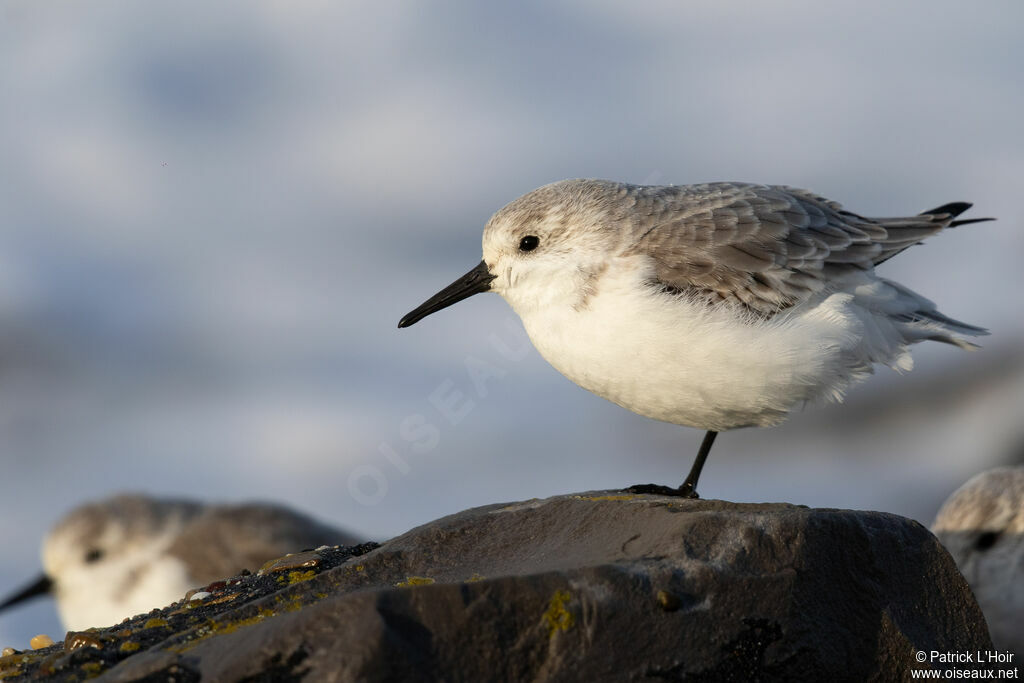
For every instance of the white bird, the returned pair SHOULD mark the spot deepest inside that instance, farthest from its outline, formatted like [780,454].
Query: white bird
[112,559]
[982,526]
[715,306]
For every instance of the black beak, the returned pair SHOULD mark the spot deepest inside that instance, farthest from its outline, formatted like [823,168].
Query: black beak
[40,586]
[475,281]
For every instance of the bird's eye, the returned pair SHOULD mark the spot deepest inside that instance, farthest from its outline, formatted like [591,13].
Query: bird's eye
[986,540]
[94,555]
[529,243]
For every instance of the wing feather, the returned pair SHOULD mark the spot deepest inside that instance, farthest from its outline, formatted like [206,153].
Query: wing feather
[766,247]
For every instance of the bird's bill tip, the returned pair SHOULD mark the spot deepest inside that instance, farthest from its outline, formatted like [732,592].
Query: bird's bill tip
[40,586]
[475,281]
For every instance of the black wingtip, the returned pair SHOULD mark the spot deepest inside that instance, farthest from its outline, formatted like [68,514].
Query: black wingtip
[953,209]
[967,221]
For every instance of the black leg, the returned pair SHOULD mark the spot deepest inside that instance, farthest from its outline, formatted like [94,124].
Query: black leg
[688,489]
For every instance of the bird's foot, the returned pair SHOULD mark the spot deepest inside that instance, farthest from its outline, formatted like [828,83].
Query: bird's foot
[684,491]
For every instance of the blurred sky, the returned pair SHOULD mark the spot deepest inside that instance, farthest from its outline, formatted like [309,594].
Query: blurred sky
[212,216]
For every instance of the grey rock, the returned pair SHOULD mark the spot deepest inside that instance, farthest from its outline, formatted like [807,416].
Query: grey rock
[596,587]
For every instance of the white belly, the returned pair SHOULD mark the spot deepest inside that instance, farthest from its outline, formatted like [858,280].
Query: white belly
[664,357]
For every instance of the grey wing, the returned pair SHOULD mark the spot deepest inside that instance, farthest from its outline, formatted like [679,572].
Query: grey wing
[766,247]
[226,539]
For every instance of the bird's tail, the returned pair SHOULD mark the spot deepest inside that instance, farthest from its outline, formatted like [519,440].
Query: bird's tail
[906,232]
[921,320]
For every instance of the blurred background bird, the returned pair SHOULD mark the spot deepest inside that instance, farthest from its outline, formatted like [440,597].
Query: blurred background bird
[982,526]
[112,559]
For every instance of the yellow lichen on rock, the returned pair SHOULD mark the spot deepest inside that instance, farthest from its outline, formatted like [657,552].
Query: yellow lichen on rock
[558,618]
[10,664]
[298,577]
[214,627]
[415,581]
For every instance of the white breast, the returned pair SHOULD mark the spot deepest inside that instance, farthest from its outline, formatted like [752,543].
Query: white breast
[680,361]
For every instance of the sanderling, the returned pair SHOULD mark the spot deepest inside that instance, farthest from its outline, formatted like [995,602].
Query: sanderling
[982,526]
[715,306]
[112,559]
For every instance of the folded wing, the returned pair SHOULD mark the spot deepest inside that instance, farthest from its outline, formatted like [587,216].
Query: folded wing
[767,247]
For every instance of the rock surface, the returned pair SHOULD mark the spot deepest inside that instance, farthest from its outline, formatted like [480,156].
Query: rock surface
[590,587]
